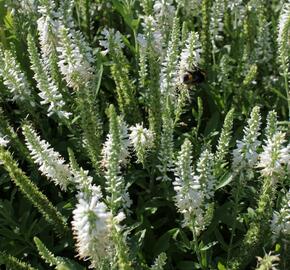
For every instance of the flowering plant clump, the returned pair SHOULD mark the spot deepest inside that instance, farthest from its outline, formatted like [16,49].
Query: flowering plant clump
[144,134]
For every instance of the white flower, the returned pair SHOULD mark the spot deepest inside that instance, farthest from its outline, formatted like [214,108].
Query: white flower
[120,217]
[115,153]
[152,33]
[190,55]
[269,261]
[27,7]
[283,37]
[205,177]
[140,135]
[50,95]
[245,156]
[51,164]
[280,224]
[106,151]
[127,202]
[159,262]
[163,8]
[112,39]
[238,12]
[169,65]
[47,27]
[91,229]
[75,59]
[163,16]
[3,141]
[142,40]
[48,89]
[124,146]
[189,202]
[14,79]
[284,18]
[216,21]
[189,197]
[84,184]
[141,139]
[92,221]
[274,157]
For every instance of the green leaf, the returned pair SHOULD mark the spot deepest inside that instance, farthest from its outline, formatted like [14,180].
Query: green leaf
[225,180]
[99,80]
[278,248]
[212,124]
[208,246]
[221,266]
[162,243]
[278,93]
[185,239]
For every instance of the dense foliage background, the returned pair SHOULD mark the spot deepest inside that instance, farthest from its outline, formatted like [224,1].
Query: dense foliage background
[149,171]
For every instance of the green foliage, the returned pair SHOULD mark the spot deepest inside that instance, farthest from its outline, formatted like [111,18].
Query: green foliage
[13,263]
[59,262]
[162,127]
[30,190]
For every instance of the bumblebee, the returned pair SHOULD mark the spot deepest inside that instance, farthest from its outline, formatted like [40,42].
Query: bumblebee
[194,76]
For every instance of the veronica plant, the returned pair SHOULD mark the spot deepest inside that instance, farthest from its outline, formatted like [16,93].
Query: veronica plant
[104,83]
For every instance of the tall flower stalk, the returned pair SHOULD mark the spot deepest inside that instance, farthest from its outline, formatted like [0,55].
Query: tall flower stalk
[166,150]
[163,15]
[75,58]
[194,192]
[150,46]
[77,65]
[15,80]
[245,157]
[223,144]
[48,26]
[125,87]
[50,163]
[91,221]
[115,154]
[49,92]
[283,42]
[189,197]
[168,70]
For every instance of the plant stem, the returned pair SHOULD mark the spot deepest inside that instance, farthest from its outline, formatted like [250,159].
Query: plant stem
[196,248]
[236,202]
[287,92]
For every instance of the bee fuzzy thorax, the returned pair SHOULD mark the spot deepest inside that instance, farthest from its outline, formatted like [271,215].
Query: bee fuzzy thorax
[191,77]
[186,78]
